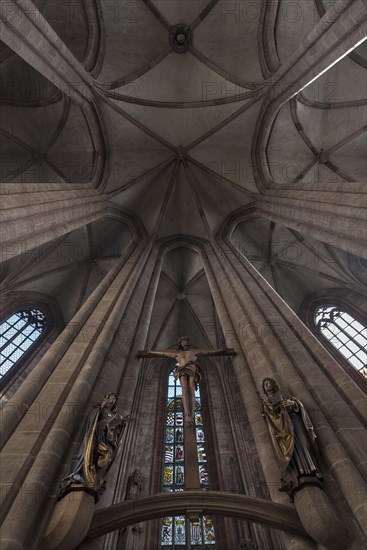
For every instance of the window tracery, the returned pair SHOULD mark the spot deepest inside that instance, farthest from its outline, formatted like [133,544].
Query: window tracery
[175,530]
[29,323]
[319,311]
[18,333]
[345,333]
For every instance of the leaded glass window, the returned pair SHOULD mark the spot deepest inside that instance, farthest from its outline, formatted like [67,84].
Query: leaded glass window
[346,334]
[175,530]
[17,334]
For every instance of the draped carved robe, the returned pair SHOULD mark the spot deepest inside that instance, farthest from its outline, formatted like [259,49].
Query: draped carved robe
[293,437]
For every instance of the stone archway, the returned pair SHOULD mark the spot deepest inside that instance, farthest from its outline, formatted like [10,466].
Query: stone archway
[118,516]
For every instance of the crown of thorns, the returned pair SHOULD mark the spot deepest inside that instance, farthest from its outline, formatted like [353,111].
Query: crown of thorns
[183,338]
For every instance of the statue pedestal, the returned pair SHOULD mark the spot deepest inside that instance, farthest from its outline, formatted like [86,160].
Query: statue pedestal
[70,521]
[319,518]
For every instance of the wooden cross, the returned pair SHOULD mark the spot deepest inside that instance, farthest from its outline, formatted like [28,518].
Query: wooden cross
[188,372]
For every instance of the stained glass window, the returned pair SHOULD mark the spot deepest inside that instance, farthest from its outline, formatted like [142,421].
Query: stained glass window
[175,530]
[17,334]
[346,334]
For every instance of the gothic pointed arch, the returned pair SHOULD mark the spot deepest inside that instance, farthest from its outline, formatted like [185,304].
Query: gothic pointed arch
[30,322]
[320,308]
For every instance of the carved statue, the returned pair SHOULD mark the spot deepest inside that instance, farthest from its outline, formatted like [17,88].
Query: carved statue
[98,449]
[134,485]
[187,371]
[292,436]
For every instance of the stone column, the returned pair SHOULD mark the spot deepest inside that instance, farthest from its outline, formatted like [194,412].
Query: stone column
[341,28]
[224,299]
[132,330]
[275,343]
[24,30]
[32,455]
[130,389]
[25,396]
[327,365]
[33,214]
[334,213]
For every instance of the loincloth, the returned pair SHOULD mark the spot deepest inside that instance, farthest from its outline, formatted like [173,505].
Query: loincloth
[188,370]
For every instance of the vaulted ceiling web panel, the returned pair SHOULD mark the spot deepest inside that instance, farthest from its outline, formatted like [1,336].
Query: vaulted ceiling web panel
[181,323]
[318,136]
[181,265]
[183,300]
[132,151]
[73,151]
[162,315]
[51,130]
[251,238]
[185,79]
[334,86]
[200,302]
[183,303]
[31,263]
[228,151]
[362,51]
[16,159]
[65,252]
[65,288]
[182,216]
[304,267]
[39,173]
[179,11]
[108,238]
[69,21]
[288,154]
[229,24]
[327,127]
[134,37]
[35,126]
[181,127]
[145,198]
[351,158]
[321,172]
[77,261]
[294,21]
[216,196]
[23,85]
[295,265]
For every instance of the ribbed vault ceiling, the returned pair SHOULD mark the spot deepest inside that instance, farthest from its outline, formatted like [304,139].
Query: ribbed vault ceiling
[179,131]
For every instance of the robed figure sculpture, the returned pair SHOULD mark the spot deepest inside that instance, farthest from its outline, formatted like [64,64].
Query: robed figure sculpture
[292,436]
[98,449]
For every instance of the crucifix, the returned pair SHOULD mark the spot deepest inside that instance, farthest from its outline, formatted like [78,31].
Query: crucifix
[188,372]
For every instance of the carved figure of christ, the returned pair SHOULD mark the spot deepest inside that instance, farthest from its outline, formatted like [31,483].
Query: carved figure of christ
[187,371]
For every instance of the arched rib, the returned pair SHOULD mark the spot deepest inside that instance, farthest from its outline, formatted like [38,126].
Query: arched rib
[224,74]
[236,186]
[256,510]
[200,18]
[181,104]
[335,105]
[158,168]
[157,14]
[137,74]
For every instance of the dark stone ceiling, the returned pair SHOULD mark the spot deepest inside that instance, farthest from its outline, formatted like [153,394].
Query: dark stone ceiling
[179,130]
